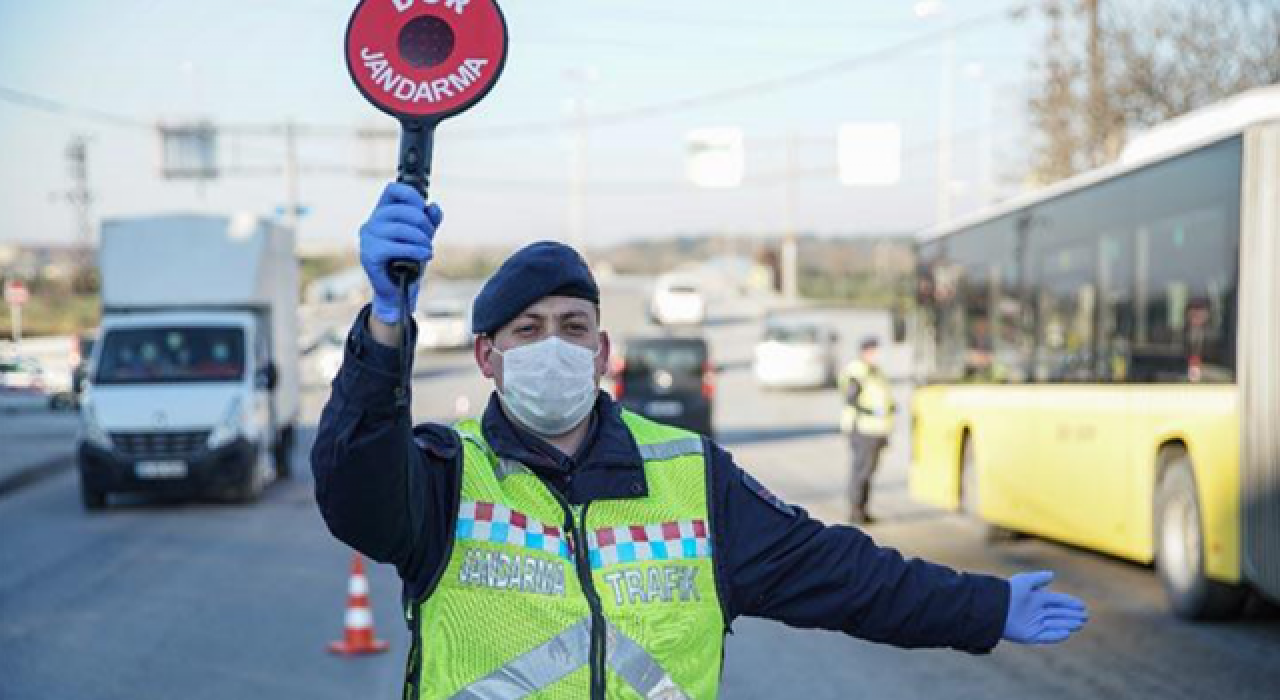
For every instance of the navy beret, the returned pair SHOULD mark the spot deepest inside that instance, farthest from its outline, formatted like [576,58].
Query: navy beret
[540,270]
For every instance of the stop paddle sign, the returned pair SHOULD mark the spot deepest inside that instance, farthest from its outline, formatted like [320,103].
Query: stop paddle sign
[423,61]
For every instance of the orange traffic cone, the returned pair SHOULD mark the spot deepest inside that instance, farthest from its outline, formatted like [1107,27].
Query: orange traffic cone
[359,637]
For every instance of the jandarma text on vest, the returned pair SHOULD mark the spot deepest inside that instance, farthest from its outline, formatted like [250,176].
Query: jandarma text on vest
[513,572]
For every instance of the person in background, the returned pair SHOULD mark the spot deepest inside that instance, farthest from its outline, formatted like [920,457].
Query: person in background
[868,418]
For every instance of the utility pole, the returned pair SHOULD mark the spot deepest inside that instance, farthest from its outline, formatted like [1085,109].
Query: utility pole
[291,180]
[927,10]
[790,257]
[945,128]
[578,177]
[988,145]
[578,161]
[80,199]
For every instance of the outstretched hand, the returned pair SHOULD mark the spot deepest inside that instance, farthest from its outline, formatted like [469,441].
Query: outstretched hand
[1039,616]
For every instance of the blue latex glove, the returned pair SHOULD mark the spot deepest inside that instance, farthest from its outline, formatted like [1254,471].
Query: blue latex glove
[1038,616]
[401,227]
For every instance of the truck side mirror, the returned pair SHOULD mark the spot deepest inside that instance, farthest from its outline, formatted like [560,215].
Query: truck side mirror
[269,377]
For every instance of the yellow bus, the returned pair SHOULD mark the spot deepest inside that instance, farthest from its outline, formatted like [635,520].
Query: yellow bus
[1099,363]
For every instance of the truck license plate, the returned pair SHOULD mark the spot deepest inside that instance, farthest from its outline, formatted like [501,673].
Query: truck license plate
[161,470]
[664,409]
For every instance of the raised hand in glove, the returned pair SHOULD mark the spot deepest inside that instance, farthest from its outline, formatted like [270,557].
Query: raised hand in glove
[401,227]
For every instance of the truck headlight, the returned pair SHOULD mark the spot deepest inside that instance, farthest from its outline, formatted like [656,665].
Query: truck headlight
[231,426]
[92,428]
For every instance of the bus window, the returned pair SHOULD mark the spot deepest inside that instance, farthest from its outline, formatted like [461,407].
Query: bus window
[1067,298]
[1115,307]
[1187,300]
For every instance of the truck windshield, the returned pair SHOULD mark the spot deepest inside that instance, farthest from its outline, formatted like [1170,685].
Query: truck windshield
[168,355]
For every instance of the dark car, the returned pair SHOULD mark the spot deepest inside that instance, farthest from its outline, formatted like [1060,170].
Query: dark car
[669,379]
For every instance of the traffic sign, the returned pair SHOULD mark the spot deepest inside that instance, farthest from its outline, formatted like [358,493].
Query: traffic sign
[870,154]
[716,157]
[15,293]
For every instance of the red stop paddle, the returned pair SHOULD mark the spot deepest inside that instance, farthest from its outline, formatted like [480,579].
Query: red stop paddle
[423,61]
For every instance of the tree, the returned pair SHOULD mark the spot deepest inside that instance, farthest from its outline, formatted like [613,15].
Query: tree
[1116,67]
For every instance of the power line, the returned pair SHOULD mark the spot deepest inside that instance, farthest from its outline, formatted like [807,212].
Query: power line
[784,83]
[792,81]
[46,104]
[788,82]
[817,74]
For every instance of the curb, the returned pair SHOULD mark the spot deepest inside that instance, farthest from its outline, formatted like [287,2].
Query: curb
[34,474]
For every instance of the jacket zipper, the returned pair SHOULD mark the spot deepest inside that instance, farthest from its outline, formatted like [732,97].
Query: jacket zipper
[576,528]
[413,670]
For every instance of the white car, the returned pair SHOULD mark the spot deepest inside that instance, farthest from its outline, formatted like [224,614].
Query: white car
[22,384]
[444,324]
[797,354]
[678,301]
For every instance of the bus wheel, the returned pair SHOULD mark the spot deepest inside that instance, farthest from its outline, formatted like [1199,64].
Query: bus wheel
[969,504]
[1180,550]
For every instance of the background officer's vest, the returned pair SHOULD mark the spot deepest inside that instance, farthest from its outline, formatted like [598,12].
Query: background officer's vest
[541,599]
[873,414]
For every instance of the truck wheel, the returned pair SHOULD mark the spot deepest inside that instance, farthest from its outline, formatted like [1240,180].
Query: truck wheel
[283,454]
[255,481]
[969,503]
[92,499]
[1180,550]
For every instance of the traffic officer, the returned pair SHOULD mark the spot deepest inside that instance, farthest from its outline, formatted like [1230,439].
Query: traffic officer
[561,545]
[868,418]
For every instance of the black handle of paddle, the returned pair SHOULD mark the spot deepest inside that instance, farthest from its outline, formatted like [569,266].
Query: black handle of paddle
[417,145]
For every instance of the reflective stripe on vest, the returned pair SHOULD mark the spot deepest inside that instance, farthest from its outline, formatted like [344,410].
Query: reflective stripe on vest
[511,616]
[668,450]
[566,653]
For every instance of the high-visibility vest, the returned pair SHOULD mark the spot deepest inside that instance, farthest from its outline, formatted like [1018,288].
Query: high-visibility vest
[541,599]
[872,415]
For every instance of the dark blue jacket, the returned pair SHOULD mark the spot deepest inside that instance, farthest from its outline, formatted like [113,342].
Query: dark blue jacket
[387,489]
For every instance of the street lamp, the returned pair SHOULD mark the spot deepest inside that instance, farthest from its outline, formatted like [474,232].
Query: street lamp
[927,10]
[977,72]
[581,78]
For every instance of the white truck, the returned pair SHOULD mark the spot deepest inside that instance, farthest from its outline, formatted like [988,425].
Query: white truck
[193,383]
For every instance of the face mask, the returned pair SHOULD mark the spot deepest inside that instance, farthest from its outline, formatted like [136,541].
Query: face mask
[549,386]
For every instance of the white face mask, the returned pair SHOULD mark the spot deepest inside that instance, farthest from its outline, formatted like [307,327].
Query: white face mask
[549,386]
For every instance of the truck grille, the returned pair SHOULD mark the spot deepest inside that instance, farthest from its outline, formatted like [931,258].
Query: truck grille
[167,444]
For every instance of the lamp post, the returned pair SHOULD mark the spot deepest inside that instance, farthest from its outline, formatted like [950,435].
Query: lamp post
[927,10]
[986,173]
[578,163]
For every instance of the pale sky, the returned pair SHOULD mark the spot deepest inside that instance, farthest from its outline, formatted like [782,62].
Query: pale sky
[502,170]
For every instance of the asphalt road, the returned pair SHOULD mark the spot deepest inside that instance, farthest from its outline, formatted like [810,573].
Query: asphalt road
[34,442]
[200,600]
